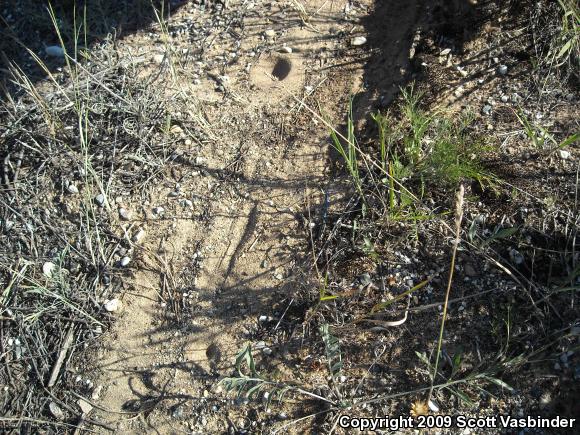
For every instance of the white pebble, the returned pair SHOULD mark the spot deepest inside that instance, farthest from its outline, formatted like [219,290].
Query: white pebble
[433,406]
[125,261]
[138,236]
[71,188]
[565,155]
[124,214]
[100,199]
[48,269]
[358,41]
[113,305]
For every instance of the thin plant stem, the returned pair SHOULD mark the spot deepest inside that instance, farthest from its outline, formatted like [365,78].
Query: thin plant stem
[458,219]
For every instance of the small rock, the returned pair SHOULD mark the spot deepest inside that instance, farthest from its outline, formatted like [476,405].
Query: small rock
[158,59]
[364,279]
[282,416]
[85,406]
[54,51]
[263,319]
[505,98]
[564,155]
[125,261]
[285,50]
[270,33]
[56,411]
[358,41]
[71,188]
[124,214]
[187,203]
[177,412]
[260,345]
[502,70]
[48,268]
[486,109]
[100,199]
[279,276]
[96,394]
[342,379]
[267,351]
[113,305]
[557,367]
[265,264]
[138,236]
[433,406]
[516,256]
[159,211]
[445,52]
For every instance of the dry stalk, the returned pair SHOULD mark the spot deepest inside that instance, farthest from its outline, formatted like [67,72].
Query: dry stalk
[458,219]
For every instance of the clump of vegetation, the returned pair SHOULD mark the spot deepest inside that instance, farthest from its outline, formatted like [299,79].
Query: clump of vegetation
[413,153]
[96,131]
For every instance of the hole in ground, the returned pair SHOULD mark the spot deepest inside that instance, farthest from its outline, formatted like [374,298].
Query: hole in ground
[282,69]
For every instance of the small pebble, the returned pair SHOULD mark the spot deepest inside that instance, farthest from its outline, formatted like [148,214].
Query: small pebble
[113,305]
[358,41]
[100,199]
[270,33]
[48,268]
[502,70]
[564,155]
[85,406]
[138,236]
[159,211]
[124,214]
[54,51]
[125,261]
[56,411]
[433,406]
[71,188]
[285,50]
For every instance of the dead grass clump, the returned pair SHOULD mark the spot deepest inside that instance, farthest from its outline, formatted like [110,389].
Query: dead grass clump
[71,148]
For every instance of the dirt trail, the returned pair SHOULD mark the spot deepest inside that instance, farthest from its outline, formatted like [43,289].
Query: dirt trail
[203,276]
